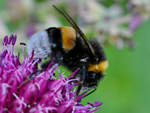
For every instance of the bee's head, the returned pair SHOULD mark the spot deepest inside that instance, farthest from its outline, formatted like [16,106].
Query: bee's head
[93,78]
[95,73]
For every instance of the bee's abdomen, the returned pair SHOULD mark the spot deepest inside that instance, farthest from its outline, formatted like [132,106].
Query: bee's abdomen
[39,43]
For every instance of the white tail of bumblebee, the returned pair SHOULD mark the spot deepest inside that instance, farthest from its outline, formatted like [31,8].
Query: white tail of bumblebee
[39,42]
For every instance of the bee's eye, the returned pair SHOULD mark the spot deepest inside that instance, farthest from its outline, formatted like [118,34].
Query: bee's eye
[92,75]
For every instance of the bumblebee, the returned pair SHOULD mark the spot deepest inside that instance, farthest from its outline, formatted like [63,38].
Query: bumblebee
[70,48]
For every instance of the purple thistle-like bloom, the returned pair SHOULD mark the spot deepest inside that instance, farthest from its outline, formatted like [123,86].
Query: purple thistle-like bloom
[41,93]
[135,22]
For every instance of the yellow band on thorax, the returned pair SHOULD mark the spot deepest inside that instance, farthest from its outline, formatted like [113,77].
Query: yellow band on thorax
[100,67]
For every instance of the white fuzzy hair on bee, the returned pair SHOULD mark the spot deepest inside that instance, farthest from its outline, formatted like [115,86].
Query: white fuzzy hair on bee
[39,43]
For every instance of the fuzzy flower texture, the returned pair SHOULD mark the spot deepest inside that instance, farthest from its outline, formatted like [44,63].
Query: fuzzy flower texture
[23,91]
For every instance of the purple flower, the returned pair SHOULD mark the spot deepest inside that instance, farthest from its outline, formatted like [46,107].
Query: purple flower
[135,22]
[41,93]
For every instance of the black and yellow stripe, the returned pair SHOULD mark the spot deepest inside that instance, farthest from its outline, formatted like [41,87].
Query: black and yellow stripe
[100,67]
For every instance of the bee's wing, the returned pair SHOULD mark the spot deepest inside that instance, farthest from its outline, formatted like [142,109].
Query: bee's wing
[75,26]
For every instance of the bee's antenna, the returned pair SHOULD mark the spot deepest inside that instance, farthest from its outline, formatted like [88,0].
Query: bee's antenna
[74,25]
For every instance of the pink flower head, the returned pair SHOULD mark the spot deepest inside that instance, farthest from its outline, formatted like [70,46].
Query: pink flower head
[25,89]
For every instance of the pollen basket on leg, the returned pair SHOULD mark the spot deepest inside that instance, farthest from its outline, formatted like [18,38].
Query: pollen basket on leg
[40,44]
[68,37]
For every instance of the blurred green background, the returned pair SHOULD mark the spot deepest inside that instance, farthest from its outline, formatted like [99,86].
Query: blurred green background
[125,89]
[126,86]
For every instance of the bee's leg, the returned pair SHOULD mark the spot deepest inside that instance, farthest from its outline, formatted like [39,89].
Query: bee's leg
[92,91]
[79,89]
[83,73]
[82,78]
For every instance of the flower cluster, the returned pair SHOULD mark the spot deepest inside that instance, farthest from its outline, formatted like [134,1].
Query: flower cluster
[24,89]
